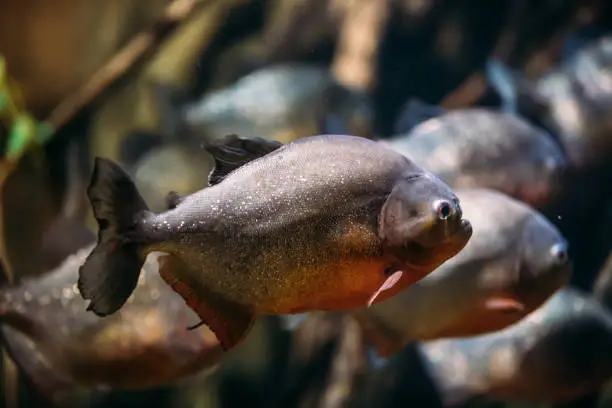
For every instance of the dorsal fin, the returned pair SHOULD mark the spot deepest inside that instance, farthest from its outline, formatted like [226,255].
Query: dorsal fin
[414,112]
[505,82]
[518,94]
[233,151]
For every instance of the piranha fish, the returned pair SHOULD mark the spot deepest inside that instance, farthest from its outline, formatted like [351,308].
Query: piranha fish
[482,148]
[556,354]
[327,222]
[63,349]
[515,260]
[572,100]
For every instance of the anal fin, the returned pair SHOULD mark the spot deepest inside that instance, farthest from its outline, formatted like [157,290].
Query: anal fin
[230,321]
[504,304]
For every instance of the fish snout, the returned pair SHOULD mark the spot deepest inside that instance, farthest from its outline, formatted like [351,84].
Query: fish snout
[537,283]
[562,266]
[465,227]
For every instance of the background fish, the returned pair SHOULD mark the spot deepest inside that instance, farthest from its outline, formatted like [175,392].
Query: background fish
[61,347]
[281,102]
[572,100]
[535,360]
[482,148]
[515,261]
[179,167]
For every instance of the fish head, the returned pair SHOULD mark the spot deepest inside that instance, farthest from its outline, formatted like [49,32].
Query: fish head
[532,265]
[421,222]
[544,262]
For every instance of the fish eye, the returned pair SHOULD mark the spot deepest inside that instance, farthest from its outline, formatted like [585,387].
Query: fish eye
[559,253]
[443,209]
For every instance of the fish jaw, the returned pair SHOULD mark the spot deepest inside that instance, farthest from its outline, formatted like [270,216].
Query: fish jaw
[421,261]
[412,270]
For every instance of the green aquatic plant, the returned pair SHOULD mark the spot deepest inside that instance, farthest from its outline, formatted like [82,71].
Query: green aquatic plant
[24,131]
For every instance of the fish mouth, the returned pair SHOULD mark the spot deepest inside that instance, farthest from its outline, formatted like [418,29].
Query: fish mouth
[415,255]
[463,226]
[444,232]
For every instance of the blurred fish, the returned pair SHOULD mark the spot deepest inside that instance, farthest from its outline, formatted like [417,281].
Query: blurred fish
[558,353]
[515,260]
[324,223]
[62,348]
[573,101]
[479,148]
[282,102]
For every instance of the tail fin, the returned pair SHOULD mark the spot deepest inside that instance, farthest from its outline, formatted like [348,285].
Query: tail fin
[110,272]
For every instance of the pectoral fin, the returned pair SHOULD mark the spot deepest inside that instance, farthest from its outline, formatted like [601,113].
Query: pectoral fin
[231,322]
[233,151]
[390,282]
[504,305]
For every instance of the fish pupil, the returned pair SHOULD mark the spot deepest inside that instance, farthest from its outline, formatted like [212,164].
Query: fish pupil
[559,252]
[444,210]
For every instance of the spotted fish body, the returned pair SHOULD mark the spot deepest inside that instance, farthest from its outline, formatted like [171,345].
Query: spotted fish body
[323,230]
[317,224]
